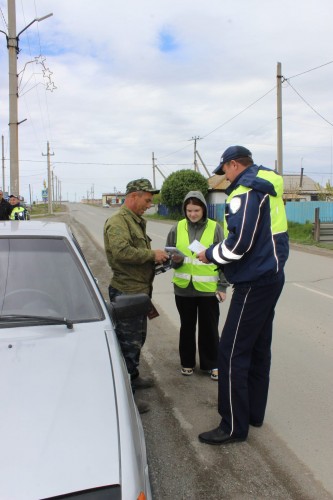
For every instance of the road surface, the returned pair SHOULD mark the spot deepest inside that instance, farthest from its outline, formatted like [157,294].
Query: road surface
[291,456]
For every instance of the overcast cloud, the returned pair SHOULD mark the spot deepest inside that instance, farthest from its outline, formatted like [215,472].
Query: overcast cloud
[117,81]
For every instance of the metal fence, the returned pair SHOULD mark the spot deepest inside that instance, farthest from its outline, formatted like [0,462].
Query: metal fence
[301,212]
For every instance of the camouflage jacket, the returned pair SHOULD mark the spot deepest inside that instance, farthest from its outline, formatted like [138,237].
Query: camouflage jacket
[128,251]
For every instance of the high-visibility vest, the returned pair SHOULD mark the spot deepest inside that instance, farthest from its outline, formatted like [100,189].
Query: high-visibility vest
[204,276]
[279,222]
[17,211]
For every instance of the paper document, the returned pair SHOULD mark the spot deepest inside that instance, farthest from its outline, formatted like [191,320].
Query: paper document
[196,246]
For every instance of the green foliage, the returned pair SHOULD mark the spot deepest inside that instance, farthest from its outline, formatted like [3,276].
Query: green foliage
[178,184]
[301,233]
[325,193]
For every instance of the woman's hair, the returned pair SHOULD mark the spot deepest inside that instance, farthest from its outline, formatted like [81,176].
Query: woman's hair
[196,201]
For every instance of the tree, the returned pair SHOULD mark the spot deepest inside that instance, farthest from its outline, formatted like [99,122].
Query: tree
[178,184]
[325,193]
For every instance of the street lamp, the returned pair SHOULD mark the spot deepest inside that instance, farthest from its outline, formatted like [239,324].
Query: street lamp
[13,50]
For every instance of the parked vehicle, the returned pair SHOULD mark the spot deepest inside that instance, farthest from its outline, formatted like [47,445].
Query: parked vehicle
[69,426]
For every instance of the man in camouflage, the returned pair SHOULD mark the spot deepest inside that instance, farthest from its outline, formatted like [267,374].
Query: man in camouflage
[132,261]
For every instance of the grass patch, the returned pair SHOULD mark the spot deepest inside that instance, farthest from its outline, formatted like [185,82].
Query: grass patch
[42,209]
[301,233]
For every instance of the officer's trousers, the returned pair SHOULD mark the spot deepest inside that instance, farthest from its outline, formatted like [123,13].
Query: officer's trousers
[245,356]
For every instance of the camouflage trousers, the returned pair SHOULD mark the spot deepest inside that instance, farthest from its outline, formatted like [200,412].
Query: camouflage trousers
[131,334]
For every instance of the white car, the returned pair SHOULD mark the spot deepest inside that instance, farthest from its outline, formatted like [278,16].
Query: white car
[69,426]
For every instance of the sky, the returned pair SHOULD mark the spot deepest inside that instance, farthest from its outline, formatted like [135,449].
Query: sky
[110,84]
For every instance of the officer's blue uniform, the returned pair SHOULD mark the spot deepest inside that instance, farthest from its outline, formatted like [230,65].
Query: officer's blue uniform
[252,255]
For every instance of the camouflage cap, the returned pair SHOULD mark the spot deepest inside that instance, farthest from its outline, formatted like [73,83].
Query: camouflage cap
[141,185]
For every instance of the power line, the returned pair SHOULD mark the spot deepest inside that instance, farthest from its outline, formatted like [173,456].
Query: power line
[308,104]
[242,111]
[309,70]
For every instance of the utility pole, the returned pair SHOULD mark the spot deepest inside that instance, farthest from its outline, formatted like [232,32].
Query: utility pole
[13,50]
[157,168]
[195,139]
[12,43]
[279,79]
[3,164]
[154,176]
[49,182]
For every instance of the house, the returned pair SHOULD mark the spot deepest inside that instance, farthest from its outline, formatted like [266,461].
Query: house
[113,199]
[300,188]
[217,186]
[296,188]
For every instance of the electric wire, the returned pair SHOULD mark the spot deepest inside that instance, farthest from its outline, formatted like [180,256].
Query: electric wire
[308,104]
[309,70]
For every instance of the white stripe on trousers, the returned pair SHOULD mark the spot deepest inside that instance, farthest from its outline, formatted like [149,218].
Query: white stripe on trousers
[232,351]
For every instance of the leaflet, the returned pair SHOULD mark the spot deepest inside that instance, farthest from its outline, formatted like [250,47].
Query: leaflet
[196,247]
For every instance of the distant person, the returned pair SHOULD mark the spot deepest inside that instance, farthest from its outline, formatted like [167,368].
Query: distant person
[132,261]
[17,211]
[5,207]
[252,255]
[198,287]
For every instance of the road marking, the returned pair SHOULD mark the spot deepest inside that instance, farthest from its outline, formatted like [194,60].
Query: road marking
[314,291]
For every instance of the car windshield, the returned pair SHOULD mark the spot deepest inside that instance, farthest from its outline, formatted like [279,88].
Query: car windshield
[44,277]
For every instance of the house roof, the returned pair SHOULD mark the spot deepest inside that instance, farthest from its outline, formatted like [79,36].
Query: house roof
[218,183]
[291,184]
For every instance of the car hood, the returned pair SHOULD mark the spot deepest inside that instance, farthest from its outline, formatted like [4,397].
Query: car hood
[59,429]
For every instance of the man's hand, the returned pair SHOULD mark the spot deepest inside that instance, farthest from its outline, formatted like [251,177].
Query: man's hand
[222,296]
[176,258]
[160,256]
[202,257]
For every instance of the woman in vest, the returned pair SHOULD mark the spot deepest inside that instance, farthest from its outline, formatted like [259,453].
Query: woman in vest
[198,288]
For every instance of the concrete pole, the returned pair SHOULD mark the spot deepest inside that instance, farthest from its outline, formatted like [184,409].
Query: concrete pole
[3,164]
[13,96]
[49,179]
[279,78]
[195,155]
[154,176]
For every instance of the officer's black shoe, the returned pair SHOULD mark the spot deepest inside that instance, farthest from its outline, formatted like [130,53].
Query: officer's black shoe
[142,383]
[218,436]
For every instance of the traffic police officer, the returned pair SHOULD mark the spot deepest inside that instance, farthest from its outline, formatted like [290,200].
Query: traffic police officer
[252,255]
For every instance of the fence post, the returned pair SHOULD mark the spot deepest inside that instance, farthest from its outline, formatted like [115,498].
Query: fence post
[316,234]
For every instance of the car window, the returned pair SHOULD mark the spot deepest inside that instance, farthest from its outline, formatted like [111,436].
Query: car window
[43,276]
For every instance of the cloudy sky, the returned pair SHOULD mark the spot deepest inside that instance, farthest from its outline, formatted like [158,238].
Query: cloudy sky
[110,83]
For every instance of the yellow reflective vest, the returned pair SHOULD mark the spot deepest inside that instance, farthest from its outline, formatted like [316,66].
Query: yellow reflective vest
[204,276]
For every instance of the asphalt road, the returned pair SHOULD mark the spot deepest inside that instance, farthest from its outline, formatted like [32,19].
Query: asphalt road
[291,456]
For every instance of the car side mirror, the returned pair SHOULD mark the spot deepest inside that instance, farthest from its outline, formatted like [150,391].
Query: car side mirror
[129,306]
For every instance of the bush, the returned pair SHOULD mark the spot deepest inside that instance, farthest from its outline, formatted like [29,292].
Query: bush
[178,184]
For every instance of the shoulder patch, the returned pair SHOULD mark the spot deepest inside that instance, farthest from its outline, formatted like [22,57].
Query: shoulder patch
[235,204]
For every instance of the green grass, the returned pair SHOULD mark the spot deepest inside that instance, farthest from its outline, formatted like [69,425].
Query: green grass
[43,209]
[303,234]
